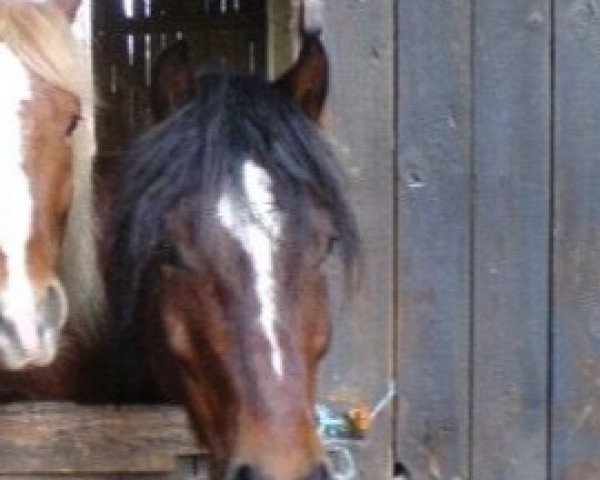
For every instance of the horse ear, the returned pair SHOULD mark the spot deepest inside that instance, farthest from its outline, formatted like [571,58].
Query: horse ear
[68,7]
[306,82]
[172,82]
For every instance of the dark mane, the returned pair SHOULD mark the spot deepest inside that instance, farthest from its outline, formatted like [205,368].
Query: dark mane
[199,151]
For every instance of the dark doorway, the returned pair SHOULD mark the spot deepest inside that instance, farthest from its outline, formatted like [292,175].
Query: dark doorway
[128,34]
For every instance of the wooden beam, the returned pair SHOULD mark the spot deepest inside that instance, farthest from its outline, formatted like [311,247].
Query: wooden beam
[66,439]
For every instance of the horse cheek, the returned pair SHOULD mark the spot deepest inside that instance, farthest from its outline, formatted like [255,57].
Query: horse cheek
[179,339]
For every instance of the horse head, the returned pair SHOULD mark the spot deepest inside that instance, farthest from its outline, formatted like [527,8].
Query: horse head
[226,212]
[40,106]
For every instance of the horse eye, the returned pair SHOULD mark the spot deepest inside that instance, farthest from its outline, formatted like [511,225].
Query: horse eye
[329,248]
[331,244]
[169,255]
[324,250]
[73,122]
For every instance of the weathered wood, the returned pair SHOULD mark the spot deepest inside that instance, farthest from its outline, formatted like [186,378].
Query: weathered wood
[432,437]
[279,38]
[576,298]
[511,124]
[67,439]
[359,39]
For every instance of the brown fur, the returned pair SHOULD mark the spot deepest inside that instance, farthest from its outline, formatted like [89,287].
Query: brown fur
[218,364]
[181,282]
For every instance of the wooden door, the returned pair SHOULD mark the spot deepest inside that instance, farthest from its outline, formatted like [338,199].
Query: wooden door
[498,358]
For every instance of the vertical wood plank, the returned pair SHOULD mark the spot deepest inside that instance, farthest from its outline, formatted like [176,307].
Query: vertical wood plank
[359,39]
[279,37]
[576,320]
[434,214]
[511,66]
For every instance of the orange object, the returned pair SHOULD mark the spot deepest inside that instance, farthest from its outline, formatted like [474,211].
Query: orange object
[360,419]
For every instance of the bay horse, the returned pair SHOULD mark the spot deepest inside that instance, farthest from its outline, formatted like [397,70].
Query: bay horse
[50,288]
[221,220]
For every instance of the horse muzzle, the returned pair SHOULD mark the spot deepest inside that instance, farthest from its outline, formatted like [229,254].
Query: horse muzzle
[30,330]
[249,472]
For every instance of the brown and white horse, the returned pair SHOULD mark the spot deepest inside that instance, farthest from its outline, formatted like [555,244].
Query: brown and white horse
[223,216]
[49,282]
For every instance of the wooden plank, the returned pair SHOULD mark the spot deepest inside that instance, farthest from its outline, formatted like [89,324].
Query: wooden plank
[67,439]
[432,437]
[576,320]
[359,39]
[279,42]
[511,67]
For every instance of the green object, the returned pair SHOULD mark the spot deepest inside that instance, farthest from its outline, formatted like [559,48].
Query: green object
[331,424]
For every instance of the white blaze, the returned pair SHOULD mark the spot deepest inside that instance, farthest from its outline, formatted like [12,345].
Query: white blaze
[16,206]
[258,234]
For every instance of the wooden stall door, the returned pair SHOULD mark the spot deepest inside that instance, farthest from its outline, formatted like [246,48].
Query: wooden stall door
[474,223]
[359,123]
[499,239]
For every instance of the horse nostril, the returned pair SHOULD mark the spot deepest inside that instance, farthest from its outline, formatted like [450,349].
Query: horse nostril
[54,306]
[247,472]
[320,473]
